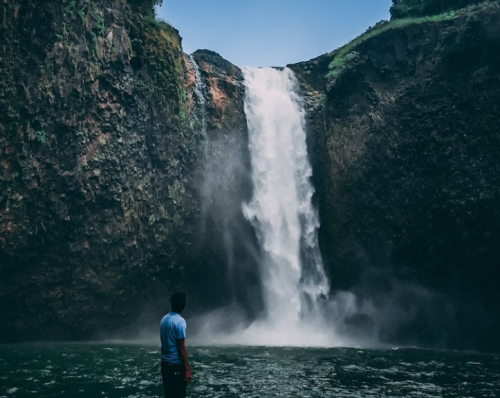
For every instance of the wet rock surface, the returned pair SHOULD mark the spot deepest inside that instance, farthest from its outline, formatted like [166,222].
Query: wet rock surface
[225,183]
[113,196]
[99,163]
[405,149]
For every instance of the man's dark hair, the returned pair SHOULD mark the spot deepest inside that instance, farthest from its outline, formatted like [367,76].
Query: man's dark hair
[178,302]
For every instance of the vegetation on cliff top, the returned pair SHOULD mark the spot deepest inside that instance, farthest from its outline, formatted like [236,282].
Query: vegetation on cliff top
[81,37]
[147,4]
[420,8]
[345,57]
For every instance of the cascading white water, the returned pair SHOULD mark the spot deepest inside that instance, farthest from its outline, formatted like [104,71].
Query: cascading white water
[285,222]
[281,210]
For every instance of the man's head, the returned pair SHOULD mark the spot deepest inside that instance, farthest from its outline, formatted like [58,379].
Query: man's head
[178,302]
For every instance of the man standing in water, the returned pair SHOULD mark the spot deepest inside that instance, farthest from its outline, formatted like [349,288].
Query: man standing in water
[175,369]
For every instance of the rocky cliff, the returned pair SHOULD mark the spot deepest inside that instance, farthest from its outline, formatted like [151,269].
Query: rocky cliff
[405,144]
[119,186]
[226,239]
[100,159]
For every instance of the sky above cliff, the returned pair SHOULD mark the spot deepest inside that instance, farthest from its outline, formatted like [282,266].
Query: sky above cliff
[271,32]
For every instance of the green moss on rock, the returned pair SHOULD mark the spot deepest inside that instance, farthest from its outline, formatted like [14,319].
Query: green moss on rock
[97,164]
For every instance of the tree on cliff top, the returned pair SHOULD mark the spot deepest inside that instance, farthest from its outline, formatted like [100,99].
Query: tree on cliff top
[420,8]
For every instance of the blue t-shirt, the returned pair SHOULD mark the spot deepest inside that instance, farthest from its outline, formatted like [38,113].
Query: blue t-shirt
[172,328]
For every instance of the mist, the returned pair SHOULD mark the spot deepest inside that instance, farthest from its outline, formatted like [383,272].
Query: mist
[271,293]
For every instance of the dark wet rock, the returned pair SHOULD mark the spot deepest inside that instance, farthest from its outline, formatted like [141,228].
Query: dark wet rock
[224,83]
[225,182]
[97,168]
[112,196]
[405,150]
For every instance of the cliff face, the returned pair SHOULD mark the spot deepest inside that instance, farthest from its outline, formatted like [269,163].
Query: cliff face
[405,143]
[225,183]
[119,187]
[100,159]
[95,165]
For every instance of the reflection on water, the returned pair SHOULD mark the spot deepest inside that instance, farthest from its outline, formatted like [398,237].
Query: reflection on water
[111,370]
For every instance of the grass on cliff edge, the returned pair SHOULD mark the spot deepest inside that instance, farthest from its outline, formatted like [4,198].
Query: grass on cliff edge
[343,56]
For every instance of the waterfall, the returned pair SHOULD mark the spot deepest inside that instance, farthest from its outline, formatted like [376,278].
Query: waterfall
[294,284]
[281,210]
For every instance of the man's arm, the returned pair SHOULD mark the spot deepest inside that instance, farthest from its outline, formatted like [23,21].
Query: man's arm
[181,346]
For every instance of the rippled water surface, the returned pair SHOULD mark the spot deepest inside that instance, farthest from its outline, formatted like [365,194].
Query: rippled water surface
[112,370]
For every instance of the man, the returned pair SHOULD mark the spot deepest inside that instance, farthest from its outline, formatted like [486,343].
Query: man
[175,369]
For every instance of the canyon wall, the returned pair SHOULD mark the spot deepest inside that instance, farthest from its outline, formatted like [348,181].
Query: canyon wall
[101,157]
[119,187]
[405,146]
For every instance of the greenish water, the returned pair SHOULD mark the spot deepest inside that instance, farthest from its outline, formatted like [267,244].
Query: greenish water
[131,370]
